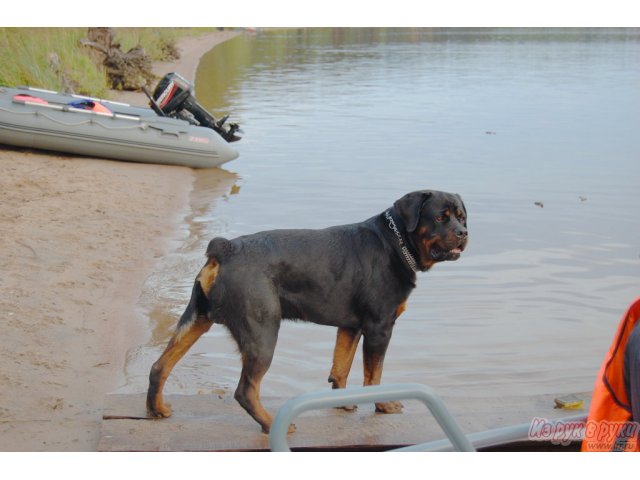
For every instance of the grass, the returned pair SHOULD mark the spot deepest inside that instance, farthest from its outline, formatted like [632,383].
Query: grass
[45,57]
[156,41]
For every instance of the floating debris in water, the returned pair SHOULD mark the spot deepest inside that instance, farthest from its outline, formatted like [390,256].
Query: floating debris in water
[569,402]
[582,199]
[539,204]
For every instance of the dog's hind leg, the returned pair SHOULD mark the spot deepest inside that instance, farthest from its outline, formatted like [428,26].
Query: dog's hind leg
[256,347]
[181,341]
[248,392]
[194,322]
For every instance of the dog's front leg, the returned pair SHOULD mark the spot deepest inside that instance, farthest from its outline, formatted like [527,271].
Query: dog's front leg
[346,344]
[374,348]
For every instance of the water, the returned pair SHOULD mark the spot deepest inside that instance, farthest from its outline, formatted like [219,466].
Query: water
[340,123]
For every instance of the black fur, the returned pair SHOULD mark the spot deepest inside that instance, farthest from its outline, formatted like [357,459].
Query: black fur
[353,277]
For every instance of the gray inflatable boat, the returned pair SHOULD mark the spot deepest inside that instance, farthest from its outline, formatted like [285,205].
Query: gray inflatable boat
[43,119]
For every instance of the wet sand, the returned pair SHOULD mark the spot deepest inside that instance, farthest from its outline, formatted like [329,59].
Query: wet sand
[79,238]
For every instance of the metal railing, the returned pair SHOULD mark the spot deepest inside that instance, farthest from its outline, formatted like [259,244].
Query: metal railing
[456,439]
[358,395]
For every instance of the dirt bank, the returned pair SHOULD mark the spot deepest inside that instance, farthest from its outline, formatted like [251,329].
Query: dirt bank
[79,237]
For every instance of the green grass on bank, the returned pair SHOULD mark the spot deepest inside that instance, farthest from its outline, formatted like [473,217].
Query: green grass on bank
[45,57]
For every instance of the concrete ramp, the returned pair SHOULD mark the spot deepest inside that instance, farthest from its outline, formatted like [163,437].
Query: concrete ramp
[218,423]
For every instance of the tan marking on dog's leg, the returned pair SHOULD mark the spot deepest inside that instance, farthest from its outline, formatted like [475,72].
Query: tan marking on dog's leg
[248,393]
[207,275]
[401,308]
[346,345]
[373,363]
[181,341]
[253,404]
[373,368]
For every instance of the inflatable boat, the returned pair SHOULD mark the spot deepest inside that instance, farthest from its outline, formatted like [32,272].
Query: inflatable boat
[175,131]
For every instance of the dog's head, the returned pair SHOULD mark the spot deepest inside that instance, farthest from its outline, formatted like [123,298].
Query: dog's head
[436,222]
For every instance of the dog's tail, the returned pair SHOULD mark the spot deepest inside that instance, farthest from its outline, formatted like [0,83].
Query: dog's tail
[200,305]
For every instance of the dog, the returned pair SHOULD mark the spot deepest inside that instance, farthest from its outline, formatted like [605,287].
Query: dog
[354,277]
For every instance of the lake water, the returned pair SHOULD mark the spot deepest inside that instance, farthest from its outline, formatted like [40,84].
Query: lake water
[537,130]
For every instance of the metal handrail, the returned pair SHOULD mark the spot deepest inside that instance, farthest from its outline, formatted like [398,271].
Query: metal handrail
[456,440]
[358,395]
[499,436]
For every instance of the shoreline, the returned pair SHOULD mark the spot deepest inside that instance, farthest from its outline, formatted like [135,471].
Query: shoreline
[80,237]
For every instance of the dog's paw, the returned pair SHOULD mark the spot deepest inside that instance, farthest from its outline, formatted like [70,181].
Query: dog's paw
[292,429]
[159,411]
[348,408]
[389,407]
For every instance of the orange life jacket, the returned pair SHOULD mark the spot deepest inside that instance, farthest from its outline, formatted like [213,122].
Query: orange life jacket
[609,425]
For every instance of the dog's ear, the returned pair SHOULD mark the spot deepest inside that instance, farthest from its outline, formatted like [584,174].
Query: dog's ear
[462,203]
[410,206]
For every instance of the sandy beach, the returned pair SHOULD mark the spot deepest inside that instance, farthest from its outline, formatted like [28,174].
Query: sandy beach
[79,237]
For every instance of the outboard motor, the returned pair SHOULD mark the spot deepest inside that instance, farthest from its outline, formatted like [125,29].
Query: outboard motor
[173,97]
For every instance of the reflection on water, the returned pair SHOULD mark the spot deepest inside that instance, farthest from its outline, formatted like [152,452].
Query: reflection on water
[339,123]
[167,289]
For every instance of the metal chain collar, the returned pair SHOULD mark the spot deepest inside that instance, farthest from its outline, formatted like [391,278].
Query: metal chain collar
[403,247]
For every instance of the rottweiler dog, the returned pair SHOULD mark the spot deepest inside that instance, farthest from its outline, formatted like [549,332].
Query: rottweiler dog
[355,277]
